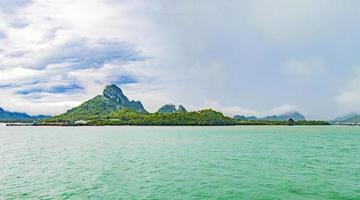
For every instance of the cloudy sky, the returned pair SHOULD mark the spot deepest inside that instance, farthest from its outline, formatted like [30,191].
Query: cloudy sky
[253,57]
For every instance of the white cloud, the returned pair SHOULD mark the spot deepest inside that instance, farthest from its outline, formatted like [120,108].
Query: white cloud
[297,20]
[303,68]
[190,50]
[56,54]
[349,96]
[236,110]
[229,110]
[89,82]
[282,110]
[50,104]
[18,75]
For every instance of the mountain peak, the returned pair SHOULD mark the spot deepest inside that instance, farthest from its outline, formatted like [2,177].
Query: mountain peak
[168,108]
[171,108]
[1,110]
[112,100]
[114,93]
[181,109]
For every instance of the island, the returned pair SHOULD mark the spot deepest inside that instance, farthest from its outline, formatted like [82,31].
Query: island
[113,108]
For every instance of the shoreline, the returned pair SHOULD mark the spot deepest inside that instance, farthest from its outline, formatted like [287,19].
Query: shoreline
[142,125]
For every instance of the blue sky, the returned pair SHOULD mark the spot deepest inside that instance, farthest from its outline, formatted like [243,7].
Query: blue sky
[240,57]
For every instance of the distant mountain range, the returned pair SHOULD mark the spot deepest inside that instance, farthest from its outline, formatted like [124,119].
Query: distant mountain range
[350,118]
[242,117]
[286,116]
[295,115]
[17,116]
[112,107]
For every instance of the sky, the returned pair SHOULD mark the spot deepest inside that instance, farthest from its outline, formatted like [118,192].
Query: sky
[241,57]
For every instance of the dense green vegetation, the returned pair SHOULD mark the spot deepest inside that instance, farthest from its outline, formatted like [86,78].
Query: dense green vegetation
[91,109]
[126,116]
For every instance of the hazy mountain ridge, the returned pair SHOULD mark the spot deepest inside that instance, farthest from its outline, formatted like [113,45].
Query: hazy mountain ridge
[18,116]
[295,115]
[171,108]
[350,118]
[245,118]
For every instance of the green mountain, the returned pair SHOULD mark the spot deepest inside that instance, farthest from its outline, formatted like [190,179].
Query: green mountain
[112,100]
[171,108]
[16,116]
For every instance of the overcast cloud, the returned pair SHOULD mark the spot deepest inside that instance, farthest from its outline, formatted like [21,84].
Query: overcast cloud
[240,57]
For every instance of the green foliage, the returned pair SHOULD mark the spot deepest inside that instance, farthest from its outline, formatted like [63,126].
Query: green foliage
[299,123]
[126,116]
[208,117]
[92,109]
[200,118]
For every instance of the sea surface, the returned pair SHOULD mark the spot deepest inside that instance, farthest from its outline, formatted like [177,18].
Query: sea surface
[239,162]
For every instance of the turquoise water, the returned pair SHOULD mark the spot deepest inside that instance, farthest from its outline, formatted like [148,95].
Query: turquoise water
[180,162]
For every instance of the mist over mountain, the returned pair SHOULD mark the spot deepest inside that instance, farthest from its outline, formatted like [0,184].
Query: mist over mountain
[349,118]
[295,115]
[242,117]
[171,108]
